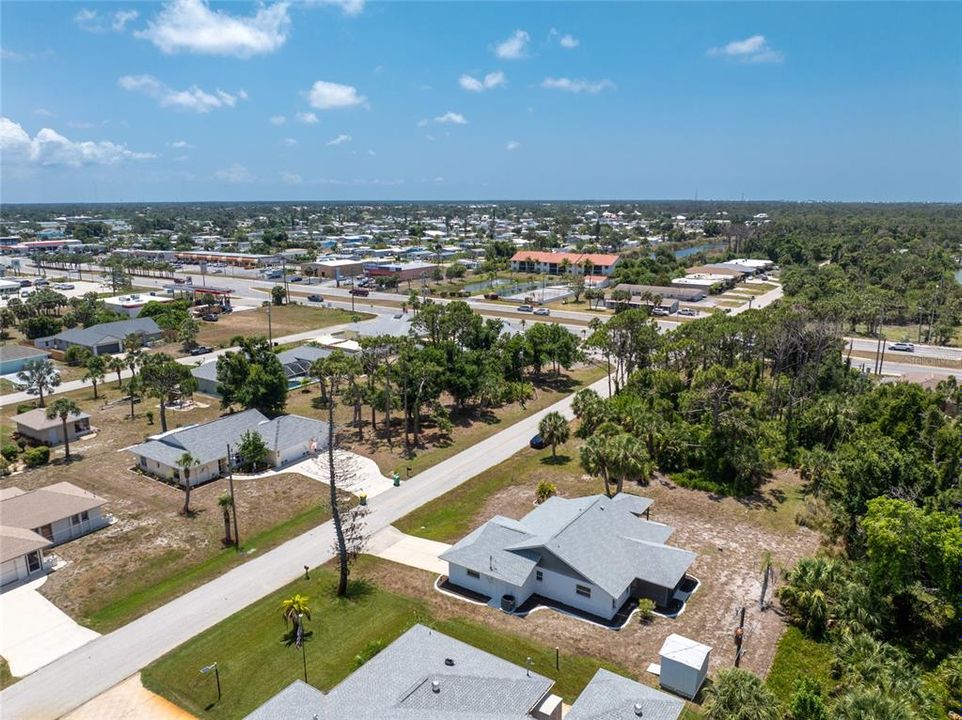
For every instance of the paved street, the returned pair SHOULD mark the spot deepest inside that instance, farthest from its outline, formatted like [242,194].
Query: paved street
[88,671]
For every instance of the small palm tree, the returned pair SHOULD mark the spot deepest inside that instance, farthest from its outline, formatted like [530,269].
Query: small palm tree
[63,408]
[116,365]
[294,607]
[225,502]
[629,459]
[554,430]
[96,370]
[38,377]
[185,462]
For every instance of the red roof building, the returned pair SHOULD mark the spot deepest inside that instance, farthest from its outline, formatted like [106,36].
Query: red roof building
[534,261]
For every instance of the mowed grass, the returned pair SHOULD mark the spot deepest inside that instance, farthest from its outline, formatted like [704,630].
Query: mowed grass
[285,320]
[255,664]
[133,598]
[799,657]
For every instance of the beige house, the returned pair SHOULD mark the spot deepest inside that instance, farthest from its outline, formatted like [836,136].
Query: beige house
[35,424]
[21,554]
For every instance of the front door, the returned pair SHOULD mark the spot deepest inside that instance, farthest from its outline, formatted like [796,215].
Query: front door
[33,562]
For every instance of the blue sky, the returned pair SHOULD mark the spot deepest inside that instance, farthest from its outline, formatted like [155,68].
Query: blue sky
[187,100]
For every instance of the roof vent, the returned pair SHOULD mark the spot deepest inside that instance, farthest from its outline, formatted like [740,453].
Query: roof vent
[449,662]
[435,686]
[638,710]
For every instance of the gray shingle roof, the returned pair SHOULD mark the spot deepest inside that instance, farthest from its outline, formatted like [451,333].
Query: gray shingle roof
[108,332]
[396,684]
[603,539]
[612,697]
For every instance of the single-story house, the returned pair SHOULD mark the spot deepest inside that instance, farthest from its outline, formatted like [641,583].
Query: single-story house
[21,554]
[206,376]
[14,357]
[58,512]
[591,553]
[296,362]
[553,263]
[288,438]
[35,424]
[103,338]
[426,675]
[684,665]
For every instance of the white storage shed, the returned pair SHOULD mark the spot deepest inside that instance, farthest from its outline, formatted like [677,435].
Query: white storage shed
[684,665]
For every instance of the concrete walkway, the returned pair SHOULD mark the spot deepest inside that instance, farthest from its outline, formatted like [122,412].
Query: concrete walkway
[129,700]
[34,631]
[67,683]
[391,544]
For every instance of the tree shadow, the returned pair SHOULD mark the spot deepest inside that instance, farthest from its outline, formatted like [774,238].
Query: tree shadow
[556,460]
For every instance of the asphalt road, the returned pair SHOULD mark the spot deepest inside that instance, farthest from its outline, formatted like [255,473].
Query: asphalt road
[64,684]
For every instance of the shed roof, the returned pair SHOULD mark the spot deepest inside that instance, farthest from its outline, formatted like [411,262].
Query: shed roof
[684,651]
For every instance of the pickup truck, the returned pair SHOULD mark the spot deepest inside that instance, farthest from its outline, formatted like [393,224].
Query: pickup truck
[361,292]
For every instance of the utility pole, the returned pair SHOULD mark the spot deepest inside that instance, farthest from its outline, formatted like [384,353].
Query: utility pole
[270,333]
[233,498]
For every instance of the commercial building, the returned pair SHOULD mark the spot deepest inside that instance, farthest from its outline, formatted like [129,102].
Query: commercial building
[131,305]
[404,271]
[558,263]
[333,269]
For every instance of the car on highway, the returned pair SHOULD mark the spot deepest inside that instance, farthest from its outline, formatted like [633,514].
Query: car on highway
[542,311]
[295,278]
[660,311]
[537,443]
[524,308]
[902,347]
[216,271]
[26,283]
[315,298]
[201,350]
[360,292]
[63,286]
[687,312]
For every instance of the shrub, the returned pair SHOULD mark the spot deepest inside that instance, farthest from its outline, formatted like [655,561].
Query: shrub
[646,610]
[150,417]
[25,407]
[4,467]
[77,355]
[9,452]
[545,490]
[35,457]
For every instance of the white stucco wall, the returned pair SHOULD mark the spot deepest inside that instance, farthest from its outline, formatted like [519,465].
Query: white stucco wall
[198,475]
[681,678]
[66,529]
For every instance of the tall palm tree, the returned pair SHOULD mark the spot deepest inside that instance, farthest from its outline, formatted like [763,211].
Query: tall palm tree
[96,370]
[38,377]
[185,462]
[629,459]
[116,365]
[63,408]
[554,430]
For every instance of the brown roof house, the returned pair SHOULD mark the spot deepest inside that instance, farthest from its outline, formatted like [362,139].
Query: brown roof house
[33,521]
[35,424]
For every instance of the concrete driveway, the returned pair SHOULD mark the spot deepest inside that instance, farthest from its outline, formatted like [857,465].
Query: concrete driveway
[34,631]
[367,475]
[129,700]
[391,544]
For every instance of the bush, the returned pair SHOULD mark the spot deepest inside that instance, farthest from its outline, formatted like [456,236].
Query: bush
[150,417]
[545,490]
[646,610]
[9,452]
[35,457]
[4,467]
[25,407]
[77,355]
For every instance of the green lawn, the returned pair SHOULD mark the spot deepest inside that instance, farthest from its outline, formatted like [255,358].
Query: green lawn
[254,663]
[795,658]
[133,598]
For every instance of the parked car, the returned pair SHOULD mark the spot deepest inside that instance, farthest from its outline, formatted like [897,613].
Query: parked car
[63,286]
[209,317]
[902,347]
[179,281]
[542,311]
[26,283]
[201,350]
[660,311]
[398,316]
[315,298]
[537,442]
[296,278]
[216,271]
[42,283]
[25,293]
[687,312]
[525,308]
[361,292]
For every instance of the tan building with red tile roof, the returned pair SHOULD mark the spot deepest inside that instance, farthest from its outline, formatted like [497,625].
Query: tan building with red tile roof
[535,261]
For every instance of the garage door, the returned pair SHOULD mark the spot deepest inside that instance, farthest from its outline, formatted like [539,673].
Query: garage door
[8,571]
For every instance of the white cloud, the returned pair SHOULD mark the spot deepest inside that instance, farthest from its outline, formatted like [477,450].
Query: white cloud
[754,49]
[291,178]
[14,56]
[515,47]
[181,144]
[193,98]
[340,139]
[512,145]
[97,22]
[49,147]
[491,80]
[348,7]
[569,42]
[289,141]
[423,122]
[577,86]
[278,120]
[235,174]
[307,118]
[371,153]
[191,26]
[325,95]
[451,118]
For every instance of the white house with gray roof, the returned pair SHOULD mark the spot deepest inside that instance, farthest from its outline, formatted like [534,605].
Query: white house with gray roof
[592,554]
[426,675]
[288,438]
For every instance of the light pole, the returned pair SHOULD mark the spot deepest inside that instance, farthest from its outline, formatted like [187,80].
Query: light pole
[206,669]
[300,624]
[270,334]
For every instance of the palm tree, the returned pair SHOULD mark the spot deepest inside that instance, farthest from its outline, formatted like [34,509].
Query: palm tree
[629,459]
[96,370]
[737,694]
[554,430]
[294,607]
[871,702]
[185,462]
[225,502]
[38,377]
[116,365]
[62,408]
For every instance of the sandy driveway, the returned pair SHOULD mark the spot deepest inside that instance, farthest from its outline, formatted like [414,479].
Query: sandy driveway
[129,700]
[34,631]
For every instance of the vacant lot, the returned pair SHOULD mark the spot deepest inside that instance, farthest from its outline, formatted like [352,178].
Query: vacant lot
[255,664]
[471,424]
[729,536]
[152,553]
